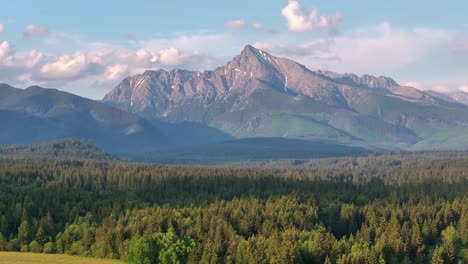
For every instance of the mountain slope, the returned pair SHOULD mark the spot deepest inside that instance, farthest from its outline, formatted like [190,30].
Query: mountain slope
[442,96]
[259,95]
[37,115]
[461,97]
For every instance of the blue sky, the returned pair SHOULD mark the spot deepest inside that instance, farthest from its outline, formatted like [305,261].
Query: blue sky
[87,47]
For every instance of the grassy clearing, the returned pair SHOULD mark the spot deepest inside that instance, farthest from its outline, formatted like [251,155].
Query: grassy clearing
[18,257]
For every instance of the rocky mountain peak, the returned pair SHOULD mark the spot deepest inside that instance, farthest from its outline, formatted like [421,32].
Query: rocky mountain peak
[251,51]
[253,68]
[253,59]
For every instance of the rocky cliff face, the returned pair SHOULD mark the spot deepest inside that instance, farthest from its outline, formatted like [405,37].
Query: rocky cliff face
[156,93]
[363,81]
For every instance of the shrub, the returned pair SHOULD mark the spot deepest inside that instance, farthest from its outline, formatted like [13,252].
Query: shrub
[49,248]
[13,245]
[35,247]
[25,248]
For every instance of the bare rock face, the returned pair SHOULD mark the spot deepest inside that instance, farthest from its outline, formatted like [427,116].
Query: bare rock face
[257,94]
[156,94]
[363,81]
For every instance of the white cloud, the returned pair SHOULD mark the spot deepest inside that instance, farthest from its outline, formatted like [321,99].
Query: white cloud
[258,26]
[463,88]
[34,30]
[380,50]
[15,67]
[441,89]
[170,56]
[460,44]
[262,28]
[107,61]
[92,69]
[33,58]
[5,50]
[301,19]
[418,85]
[10,60]
[67,67]
[404,54]
[386,49]
[116,72]
[428,86]
[292,50]
[235,24]
[2,28]
[187,42]
[196,52]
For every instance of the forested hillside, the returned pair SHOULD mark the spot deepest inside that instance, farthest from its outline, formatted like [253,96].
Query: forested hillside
[385,209]
[64,148]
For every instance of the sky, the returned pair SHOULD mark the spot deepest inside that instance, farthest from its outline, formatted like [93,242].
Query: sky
[88,47]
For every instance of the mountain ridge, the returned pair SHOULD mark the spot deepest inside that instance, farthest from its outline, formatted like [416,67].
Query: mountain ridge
[259,95]
[38,115]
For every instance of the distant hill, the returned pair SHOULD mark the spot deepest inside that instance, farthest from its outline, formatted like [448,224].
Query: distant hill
[36,114]
[65,148]
[252,149]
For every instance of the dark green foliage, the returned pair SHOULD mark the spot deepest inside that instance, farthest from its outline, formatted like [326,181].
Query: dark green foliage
[140,252]
[49,248]
[35,247]
[383,209]
[160,248]
[65,148]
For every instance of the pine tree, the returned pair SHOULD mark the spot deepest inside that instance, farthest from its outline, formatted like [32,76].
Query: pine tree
[449,238]
[24,233]
[438,256]
[463,226]
[395,241]
[3,225]
[417,244]
[40,236]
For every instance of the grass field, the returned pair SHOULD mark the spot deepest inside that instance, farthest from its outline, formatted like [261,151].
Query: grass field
[17,257]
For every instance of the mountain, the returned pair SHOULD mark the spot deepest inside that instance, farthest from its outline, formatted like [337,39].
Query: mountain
[259,95]
[456,97]
[65,148]
[37,114]
[442,96]
[460,96]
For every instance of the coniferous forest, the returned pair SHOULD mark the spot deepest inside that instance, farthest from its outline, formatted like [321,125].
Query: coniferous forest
[379,209]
